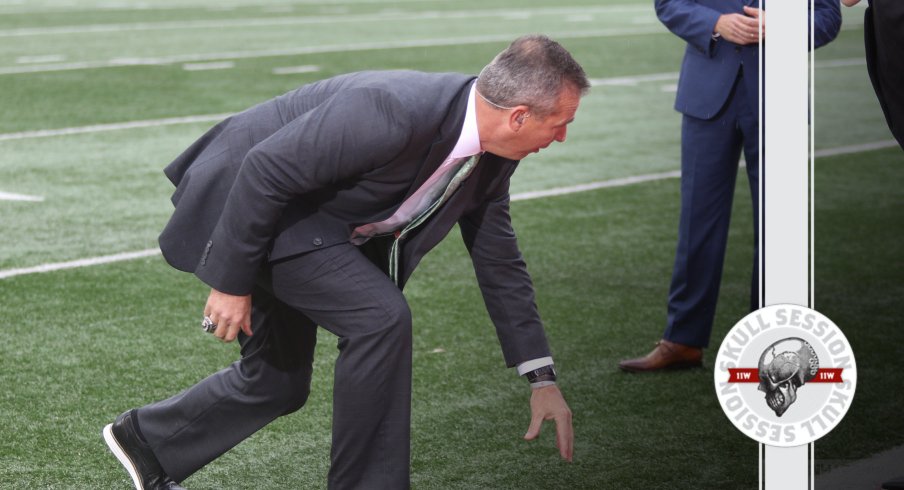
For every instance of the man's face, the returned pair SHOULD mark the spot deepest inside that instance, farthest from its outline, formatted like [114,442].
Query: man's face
[535,133]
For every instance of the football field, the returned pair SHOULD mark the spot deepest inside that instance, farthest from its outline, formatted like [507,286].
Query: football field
[98,96]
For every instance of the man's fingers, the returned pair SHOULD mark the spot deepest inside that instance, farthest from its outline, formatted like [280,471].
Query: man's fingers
[228,331]
[565,437]
[246,324]
[749,21]
[229,323]
[745,33]
[546,403]
[738,28]
[534,429]
[220,331]
[230,313]
[232,331]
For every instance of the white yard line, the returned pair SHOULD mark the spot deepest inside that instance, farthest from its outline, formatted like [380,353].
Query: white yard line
[631,81]
[19,6]
[339,48]
[523,196]
[845,150]
[841,63]
[9,196]
[294,70]
[561,191]
[194,25]
[612,81]
[75,65]
[97,128]
[327,48]
[213,65]
[667,77]
[106,259]
[74,264]
[42,58]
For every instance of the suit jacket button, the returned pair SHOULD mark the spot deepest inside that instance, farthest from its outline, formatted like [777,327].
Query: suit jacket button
[317,242]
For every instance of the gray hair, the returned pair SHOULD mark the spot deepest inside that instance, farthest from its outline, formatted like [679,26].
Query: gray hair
[532,71]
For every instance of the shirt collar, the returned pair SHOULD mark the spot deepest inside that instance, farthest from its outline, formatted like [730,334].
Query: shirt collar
[469,141]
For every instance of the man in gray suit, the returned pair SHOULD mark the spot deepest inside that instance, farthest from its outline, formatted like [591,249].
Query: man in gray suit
[301,211]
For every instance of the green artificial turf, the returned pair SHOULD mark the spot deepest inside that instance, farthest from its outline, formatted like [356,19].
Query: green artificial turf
[82,345]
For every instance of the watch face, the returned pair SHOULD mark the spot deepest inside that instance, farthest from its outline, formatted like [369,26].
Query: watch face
[541,371]
[545,370]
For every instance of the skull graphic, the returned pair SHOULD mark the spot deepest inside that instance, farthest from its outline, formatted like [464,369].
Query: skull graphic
[784,367]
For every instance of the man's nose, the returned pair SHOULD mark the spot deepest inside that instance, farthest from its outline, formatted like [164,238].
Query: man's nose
[560,136]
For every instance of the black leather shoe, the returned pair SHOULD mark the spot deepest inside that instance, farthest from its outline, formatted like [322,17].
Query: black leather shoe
[136,456]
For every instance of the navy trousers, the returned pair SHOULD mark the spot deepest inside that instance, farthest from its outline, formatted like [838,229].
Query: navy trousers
[710,151]
[341,290]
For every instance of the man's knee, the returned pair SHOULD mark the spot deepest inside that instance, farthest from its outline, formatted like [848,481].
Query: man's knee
[398,313]
[387,326]
[297,395]
[286,390]
[398,323]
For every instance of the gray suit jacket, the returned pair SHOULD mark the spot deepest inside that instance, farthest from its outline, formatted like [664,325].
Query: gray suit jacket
[301,171]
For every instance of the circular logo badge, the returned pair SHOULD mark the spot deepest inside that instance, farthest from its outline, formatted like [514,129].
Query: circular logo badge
[785,375]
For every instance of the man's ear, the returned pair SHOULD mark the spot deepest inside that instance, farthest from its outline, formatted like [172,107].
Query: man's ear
[517,117]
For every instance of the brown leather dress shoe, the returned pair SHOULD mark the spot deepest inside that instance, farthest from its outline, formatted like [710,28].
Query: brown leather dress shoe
[666,355]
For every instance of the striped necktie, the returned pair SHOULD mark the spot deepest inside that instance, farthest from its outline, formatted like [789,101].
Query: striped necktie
[418,207]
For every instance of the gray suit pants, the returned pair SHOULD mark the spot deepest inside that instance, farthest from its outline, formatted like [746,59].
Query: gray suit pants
[341,290]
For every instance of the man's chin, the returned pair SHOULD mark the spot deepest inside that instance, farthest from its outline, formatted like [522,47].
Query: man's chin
[514,155]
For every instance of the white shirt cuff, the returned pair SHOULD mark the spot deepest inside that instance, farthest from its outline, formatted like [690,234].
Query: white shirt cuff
[528,366]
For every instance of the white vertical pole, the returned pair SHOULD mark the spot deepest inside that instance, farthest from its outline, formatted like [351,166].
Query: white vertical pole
[785,190]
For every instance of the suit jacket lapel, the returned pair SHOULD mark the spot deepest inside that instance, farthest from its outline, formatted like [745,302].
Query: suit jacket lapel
[487,178]
[445,140]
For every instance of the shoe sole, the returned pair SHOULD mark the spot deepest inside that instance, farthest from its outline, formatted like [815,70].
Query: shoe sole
[121,455]
[672,367]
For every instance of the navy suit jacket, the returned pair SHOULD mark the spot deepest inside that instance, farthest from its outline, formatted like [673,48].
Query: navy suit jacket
[301,171]
[710,67]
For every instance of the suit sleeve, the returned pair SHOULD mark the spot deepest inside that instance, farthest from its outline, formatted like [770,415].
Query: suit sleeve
[690,21]
[504,281]
[345,137]
[827,21]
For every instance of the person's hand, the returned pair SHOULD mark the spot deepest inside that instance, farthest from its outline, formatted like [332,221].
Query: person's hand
[741,29]
[229,313]
[547,403]
[760,16]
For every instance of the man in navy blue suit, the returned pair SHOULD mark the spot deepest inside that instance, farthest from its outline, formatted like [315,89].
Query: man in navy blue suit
[719,99]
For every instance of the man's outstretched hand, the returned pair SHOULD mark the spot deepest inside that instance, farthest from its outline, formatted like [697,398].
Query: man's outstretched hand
[547,403]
